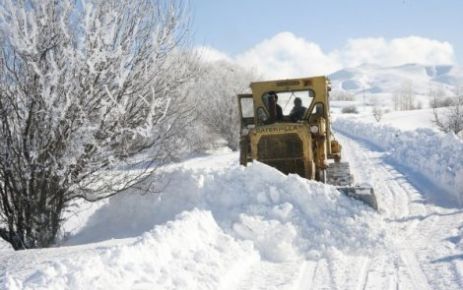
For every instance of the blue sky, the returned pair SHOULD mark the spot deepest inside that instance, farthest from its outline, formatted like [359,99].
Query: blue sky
[234,27]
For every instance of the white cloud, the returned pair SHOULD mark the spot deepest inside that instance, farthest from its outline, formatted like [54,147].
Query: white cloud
[412,49]
[285,55]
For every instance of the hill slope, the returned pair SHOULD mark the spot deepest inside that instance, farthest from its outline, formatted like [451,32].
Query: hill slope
[376,80]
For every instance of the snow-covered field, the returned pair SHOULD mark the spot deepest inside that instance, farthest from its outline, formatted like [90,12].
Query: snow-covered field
[403,120]
[217,225]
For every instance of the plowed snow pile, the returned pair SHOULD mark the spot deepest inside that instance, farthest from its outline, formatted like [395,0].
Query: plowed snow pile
[209,221]
[434,155]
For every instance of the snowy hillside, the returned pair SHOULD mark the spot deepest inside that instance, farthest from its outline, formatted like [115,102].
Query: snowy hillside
[373,80]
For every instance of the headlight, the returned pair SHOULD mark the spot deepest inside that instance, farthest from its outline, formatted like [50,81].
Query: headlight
[261,114]
[314,129]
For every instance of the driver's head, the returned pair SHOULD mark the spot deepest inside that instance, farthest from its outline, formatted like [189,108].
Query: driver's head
[275,96]
[297,102]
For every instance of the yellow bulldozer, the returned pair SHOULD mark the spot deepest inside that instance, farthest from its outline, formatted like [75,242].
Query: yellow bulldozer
[286,124]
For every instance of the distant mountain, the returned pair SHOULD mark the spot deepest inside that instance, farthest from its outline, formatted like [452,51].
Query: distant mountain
[373,79]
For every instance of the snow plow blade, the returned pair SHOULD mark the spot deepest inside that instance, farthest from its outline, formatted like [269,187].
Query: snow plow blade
[339,175]
[365,194]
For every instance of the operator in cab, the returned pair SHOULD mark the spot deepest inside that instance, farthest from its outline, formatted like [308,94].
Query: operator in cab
[279,110]
[298,110]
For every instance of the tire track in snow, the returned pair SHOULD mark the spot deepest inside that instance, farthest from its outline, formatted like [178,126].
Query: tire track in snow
[414,269]
[335,272]
[402,196]
[416,225]
[401,201]
[362,280]
[306,276]
[458,268]
[323,278]
[381,273]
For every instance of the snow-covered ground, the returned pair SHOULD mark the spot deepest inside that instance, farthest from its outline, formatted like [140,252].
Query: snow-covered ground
[216,225]
[425,227]
[435,156]
[403,120]
[213,223]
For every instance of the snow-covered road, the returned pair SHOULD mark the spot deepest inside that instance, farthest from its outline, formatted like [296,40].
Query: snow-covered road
[423,228]
[254,228]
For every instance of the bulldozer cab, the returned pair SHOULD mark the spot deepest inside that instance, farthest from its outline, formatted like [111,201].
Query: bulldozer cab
[300,100]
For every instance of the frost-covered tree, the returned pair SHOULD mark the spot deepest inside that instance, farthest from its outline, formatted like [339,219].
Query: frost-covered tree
[215,95]
[439,97]
[85,87]
[377,110]
[377,113]
[404,98]
[450,119]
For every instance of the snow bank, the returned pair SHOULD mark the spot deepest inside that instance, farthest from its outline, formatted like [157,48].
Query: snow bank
[191,252]
[208,226]
[436,156]
[286,217]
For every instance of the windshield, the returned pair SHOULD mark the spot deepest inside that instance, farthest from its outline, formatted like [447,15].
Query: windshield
[290,106]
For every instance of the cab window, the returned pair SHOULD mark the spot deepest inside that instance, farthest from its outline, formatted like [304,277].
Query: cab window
[247,107]
[293,104]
